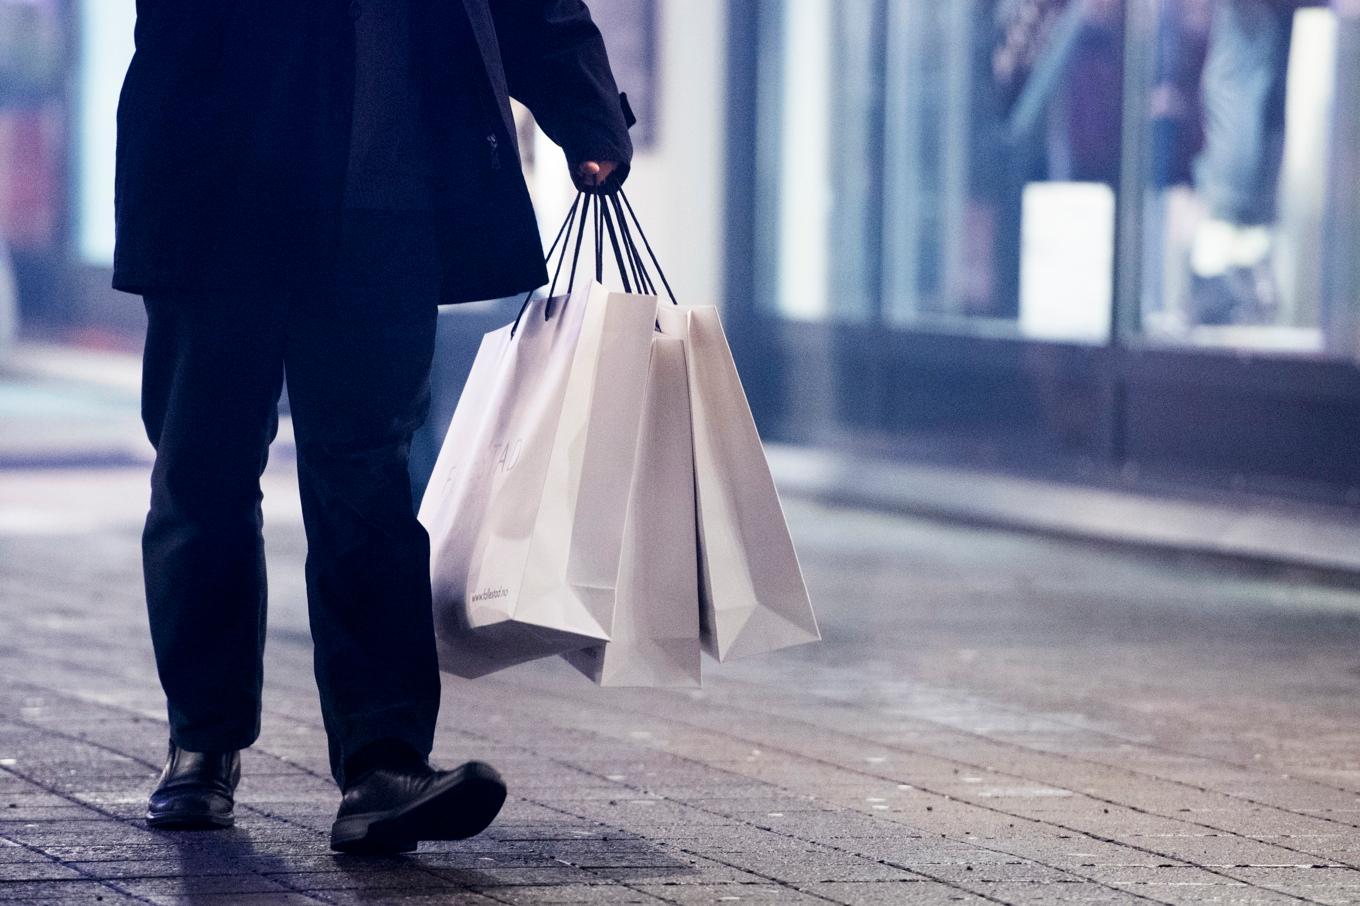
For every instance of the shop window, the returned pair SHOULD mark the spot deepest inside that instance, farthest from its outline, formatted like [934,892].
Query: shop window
[1245,108]
[945,166]
[105,51]
[1043,169]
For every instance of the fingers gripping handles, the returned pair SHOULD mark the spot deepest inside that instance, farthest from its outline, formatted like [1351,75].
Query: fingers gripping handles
[608,214]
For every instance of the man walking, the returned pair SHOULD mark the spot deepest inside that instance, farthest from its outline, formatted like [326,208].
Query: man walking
[300,183]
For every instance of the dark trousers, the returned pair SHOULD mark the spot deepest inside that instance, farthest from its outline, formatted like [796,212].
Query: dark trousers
[356,349]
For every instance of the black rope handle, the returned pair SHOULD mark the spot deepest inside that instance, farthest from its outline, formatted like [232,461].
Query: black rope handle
[627,256]
[618,252]
[606,228]
[642,281]
[640,274]
[575,257]
[599,243]
[571,212]
[565,229]
[657,264]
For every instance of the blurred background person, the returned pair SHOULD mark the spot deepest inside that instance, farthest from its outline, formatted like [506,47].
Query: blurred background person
[1237,174]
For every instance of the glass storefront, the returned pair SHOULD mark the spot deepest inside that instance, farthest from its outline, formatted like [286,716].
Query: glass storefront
[1110,237]
[1242,118]
[957,166]
[1116,233]
[934,171]
[33,61]
[105,51]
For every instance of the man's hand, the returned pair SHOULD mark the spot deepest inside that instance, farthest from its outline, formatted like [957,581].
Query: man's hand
[593,174]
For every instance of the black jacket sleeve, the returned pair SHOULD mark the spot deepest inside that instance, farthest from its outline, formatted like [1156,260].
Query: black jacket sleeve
[556,65]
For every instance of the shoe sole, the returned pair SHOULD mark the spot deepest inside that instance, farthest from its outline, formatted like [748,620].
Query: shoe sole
[462,806]
[188,821]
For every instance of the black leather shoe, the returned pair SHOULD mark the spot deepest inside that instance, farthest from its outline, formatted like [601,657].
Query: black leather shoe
[195,791]
[390,810]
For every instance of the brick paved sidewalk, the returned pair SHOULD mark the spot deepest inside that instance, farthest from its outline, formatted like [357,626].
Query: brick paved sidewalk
[992,718]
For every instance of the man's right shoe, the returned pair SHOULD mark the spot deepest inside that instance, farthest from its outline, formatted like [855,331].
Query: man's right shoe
[391,809]
[196,791]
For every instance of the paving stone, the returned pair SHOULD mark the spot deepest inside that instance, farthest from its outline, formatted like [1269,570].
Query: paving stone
[190,885]
[406,876]
[991,716]
[162,868]
[14,872]
[1226,894]
[449,896]
[63,890]
[888,893]
[585,894]
[763,892]
[1019,892]
[232,899]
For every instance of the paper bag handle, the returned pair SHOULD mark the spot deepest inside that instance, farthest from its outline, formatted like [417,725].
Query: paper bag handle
[610,219]
[563,232]
[614,198]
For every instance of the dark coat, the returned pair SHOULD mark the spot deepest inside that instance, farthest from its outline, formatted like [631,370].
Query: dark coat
[234,127]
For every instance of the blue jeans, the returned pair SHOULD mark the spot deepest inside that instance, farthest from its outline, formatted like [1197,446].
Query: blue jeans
[1237,173]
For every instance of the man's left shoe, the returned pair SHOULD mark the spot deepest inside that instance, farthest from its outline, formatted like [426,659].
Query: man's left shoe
[390,810]
[196,791]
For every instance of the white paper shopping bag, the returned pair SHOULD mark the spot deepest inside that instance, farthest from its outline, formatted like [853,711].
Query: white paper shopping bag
[753,598]
[654,638]
[525,513]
